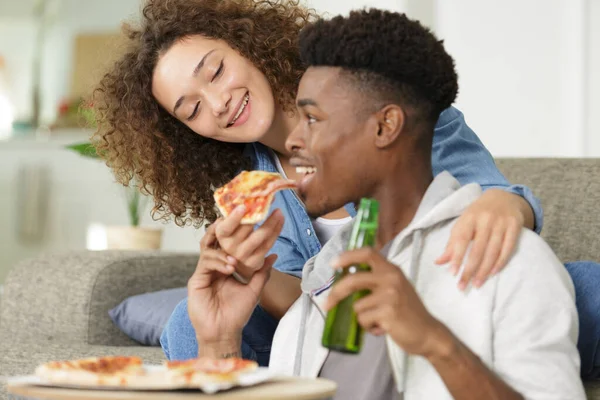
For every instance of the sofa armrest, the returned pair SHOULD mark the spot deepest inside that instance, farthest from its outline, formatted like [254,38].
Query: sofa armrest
[65,298]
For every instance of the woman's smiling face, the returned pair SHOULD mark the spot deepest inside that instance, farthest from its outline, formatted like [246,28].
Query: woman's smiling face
[214,90]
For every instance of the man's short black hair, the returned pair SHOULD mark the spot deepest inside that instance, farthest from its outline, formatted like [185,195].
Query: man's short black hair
[391,57]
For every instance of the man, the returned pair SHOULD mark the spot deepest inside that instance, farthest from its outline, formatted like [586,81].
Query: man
[369,101]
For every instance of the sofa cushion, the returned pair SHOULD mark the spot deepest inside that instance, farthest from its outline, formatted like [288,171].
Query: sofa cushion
[570,193]
[143,317]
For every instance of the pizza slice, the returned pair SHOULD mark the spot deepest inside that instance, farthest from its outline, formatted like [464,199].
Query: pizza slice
[200,371]
[254,189]
[93,371]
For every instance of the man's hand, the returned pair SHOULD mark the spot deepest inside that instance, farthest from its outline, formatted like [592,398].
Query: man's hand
[218,305]
[491,225]
[393,307]
[246,247]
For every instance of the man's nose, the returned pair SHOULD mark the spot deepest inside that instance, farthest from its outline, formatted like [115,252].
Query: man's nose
[295,141]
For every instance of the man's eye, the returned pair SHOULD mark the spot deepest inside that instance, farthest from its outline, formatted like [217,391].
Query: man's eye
[311,120]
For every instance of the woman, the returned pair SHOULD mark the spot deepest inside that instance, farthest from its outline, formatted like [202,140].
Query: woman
[206,89]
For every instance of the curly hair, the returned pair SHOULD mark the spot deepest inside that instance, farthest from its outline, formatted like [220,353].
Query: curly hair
[143,143]
[391,57]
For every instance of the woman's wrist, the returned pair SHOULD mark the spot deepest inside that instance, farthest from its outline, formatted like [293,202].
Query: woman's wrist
[224,348]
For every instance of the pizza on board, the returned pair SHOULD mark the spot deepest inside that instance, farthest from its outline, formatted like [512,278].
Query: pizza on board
[255,190]
[93,371]
[129,372]
[199,371]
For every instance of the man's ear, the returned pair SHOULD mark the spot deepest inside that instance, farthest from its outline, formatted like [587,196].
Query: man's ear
[390,120]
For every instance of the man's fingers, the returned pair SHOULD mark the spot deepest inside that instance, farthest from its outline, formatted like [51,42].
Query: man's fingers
[508,246]
[210,262]
[260,241]
[489,259]
[365,255]
[369,301]
[231,223]
[376,331]
[370,320]
[259,279]
[349,285]
[267,244]
[209,238]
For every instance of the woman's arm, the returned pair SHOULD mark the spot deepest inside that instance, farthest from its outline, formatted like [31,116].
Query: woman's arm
[283,287]
[458,150]
[280,292]
[489,229]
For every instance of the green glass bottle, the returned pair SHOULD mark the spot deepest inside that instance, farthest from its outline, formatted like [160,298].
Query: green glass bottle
[342,332]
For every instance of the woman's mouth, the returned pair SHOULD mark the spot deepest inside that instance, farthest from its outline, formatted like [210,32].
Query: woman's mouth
[243,112]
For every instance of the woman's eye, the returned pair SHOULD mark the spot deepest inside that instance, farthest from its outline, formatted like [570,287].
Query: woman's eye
[311,119]
[195,112]
[219,71]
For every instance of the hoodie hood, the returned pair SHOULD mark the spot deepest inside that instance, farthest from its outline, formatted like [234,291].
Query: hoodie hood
[444,200]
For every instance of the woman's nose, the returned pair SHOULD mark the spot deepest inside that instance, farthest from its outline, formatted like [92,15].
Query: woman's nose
[219,102]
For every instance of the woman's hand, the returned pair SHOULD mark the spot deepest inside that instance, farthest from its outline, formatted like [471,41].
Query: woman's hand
[218,305]
[491,225]
[246,247]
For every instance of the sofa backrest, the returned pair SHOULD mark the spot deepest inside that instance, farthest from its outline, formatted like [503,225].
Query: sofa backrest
[570,193]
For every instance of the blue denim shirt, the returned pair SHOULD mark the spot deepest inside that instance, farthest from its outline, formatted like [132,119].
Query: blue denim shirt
[456,149]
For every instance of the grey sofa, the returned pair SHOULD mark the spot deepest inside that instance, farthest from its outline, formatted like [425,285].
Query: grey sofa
[55,306]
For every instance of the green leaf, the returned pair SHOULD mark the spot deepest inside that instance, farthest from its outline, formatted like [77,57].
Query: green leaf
[85,149]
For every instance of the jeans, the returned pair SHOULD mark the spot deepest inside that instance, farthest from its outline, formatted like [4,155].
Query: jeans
[586,278]
[178,339]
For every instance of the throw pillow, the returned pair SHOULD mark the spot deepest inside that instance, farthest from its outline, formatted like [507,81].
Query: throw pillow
[144,316]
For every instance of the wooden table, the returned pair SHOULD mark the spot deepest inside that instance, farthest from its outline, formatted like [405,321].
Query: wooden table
[279,389]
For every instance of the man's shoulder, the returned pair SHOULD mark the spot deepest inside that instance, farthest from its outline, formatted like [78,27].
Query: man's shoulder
[532,248]
[534,261]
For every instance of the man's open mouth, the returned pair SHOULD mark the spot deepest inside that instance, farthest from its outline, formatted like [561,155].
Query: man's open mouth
[306,170]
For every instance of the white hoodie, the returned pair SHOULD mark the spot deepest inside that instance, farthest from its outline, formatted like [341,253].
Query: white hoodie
[522,323]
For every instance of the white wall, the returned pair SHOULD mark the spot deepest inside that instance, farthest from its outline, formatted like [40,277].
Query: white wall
[17,37]
[592,143]
[330,8]
[522,72]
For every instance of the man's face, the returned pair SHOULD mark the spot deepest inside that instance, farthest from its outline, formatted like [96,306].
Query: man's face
[333,145]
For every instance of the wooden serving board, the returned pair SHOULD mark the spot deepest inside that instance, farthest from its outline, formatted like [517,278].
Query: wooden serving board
[277,389]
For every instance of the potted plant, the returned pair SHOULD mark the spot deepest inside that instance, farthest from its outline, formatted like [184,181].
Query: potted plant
[132,237]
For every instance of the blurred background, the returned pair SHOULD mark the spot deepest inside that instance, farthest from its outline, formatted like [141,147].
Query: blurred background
[529,84]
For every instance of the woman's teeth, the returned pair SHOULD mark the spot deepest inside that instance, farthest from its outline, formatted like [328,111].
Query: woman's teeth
[241,110]
[306,170]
